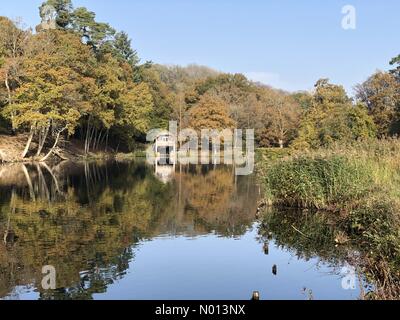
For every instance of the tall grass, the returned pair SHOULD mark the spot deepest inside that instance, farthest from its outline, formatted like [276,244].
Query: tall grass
[334,177]
[360,183]
[321,183]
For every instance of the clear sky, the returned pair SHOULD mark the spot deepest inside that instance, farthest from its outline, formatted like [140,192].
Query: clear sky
[288,44]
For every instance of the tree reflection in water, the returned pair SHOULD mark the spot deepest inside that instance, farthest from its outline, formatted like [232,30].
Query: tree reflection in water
[86,219]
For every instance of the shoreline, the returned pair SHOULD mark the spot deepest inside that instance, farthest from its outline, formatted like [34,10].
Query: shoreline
[11,148]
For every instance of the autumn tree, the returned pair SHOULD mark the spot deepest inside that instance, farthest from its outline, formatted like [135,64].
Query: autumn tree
[170,87]
[381,94]
[282,118]
[13,42]
[235,90]
[210,113]
[273,114]
[53,88]
[132,120]
[241,97]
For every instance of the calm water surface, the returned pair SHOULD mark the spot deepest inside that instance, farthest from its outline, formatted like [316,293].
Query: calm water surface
[133,231]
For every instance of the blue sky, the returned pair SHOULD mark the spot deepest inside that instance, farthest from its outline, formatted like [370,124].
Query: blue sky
[288,44]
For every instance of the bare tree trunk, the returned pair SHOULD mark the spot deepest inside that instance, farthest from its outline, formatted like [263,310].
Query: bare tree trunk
[119,142]
[54,146]
[9,100]
[108,131]
[87,138]
[91,137]
[42,140]
[99,137]
[94,138]
[103,138]
[28,144]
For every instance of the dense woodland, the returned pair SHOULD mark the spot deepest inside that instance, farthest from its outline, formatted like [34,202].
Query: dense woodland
[78,78]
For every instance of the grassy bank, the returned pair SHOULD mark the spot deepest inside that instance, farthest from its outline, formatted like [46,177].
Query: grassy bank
[358,184]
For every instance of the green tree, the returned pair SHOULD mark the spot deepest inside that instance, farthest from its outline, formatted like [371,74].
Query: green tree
[63,12]
[104,99]
[396,62]
[93,33]
[13,44]
[381,94]
[332,117]
[123,49]
[303,99]
[164,101]
[118,106]
[133,119]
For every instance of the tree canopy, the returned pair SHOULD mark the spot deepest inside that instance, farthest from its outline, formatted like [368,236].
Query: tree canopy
[332,117]
[79,78]
[381,94]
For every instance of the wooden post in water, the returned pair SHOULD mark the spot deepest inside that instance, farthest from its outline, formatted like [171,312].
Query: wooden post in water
[274,270]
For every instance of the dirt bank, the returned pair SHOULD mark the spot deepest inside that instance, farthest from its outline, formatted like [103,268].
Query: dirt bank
[11,148]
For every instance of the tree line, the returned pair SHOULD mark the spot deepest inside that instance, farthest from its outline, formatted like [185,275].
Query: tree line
[76,77]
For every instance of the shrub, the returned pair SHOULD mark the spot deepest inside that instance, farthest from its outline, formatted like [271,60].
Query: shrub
[320,183]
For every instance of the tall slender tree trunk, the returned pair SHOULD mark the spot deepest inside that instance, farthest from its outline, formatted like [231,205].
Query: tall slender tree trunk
[87,137]
[54,146]
[92,134]
[42,140]
[99,137]
[108,131]
[28,143]
[94,138]
[7,84]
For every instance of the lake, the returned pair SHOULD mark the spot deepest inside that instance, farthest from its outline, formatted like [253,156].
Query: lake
[129,230]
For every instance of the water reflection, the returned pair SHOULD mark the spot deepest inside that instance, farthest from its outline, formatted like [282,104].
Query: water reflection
[87,219]
[128,230]
[308,236]
[164,170]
